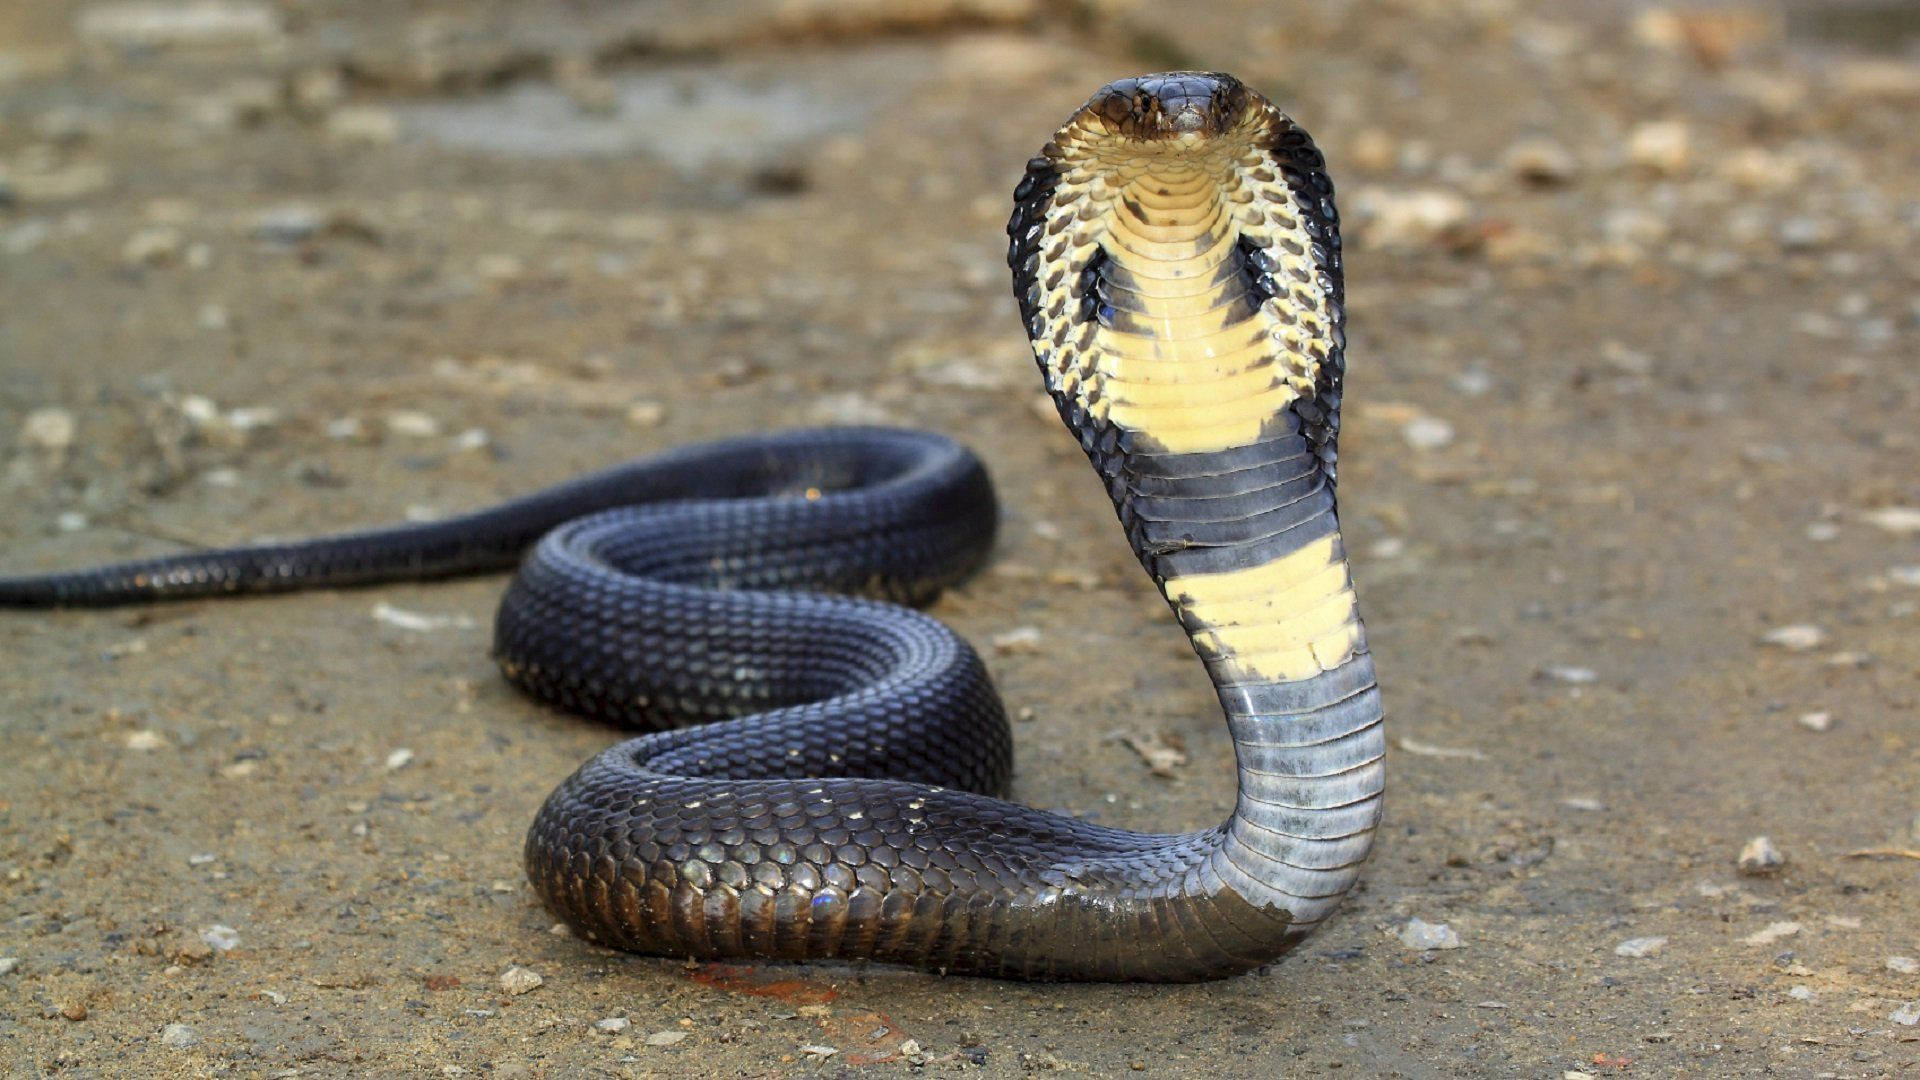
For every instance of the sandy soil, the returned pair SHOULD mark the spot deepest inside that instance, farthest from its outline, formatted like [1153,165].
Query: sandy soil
[1635,302]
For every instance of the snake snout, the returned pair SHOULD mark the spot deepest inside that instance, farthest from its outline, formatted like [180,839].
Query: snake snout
[1170,104]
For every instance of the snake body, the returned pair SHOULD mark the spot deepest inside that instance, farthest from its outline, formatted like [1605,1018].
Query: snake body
[1176,257]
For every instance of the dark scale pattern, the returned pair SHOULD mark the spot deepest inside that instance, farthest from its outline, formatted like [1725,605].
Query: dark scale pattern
[1024,229]
[1304,170]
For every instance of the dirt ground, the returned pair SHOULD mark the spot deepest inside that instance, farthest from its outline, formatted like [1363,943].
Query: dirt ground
[1628,475]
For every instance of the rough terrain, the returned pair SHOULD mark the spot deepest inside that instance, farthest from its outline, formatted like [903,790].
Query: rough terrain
[1628,474]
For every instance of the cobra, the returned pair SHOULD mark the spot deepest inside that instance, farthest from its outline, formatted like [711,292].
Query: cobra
[1176,257]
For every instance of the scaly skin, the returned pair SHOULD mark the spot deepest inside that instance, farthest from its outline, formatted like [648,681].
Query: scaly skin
[1177,261]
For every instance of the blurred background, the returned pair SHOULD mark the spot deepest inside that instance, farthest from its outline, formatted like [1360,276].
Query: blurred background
[1628,476]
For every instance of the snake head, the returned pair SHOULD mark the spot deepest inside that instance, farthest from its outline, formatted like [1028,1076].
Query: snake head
[1168,105]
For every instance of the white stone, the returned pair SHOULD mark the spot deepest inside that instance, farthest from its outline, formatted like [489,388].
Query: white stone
[178,1036]
[517,980]
[50,428]
[145,739]
[1421,934]
[1796,638]
[412,422]
[1426,433]
[1662,146]
[1760,857]
[1640,947]
[1899,520]
[665,1038]
[1772,932]
[1020,639]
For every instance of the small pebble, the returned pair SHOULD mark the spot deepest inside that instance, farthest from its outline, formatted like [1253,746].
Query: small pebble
[1421,934]
[1593,806]
[1817,721]
[819,1053]
[223,938]
[1426,433]
[1021,639]
[1576,676]
[646,414]
[1759,858]
[1801,993]
[1797,638]
[399,759]
[145,739]
[1905,965]
[665,1038]
[1905,575]
[1640,947]
[74,1010]
[412,422]
[70,521]
[1660,146]
[472,439]
[1899,520]
[417,621]
[612,1024]
[8,964]
[517,980]
[1771,933]
[178,1036]
[1906,1015]
[290,224]
[51,428]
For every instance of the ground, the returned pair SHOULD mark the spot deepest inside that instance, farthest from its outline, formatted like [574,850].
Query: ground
[1627,477]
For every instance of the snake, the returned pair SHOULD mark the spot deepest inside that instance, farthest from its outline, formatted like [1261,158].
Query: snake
[820,768]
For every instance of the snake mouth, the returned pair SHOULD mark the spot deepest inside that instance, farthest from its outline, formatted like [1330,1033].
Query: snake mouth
[1170,105]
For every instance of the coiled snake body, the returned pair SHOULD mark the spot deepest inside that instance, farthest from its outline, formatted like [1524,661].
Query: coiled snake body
[1176,258]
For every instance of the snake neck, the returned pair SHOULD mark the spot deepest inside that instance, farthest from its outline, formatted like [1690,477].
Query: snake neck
[1184,299]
